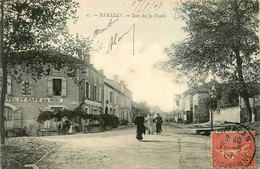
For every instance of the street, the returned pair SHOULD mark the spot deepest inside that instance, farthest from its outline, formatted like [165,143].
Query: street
[174,148]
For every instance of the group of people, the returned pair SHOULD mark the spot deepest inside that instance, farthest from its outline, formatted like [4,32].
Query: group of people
[65,126]
[141,128]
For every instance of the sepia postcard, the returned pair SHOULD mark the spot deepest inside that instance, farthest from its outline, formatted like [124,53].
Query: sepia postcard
[147,84]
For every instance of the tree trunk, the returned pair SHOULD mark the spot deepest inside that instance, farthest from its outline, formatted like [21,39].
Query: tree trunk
[3,93]
[243,87]
[4,78]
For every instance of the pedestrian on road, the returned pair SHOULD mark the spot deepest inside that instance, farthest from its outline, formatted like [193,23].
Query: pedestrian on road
[150,126]
[140,129]
[159,121]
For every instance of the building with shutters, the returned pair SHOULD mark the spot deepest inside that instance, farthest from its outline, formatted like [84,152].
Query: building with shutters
[96,94]
[25,100]
[117,99]
[92,90]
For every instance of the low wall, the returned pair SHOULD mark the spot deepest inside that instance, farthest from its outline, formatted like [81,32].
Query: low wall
[227,114]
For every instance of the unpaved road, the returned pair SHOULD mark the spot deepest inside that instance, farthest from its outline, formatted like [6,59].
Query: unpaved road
[175,148]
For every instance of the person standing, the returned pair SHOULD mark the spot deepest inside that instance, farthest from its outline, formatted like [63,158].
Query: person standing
[140,129]
[159,121]
[150,126]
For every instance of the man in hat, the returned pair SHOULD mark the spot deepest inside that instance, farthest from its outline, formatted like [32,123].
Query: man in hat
[159,121]
[139,122]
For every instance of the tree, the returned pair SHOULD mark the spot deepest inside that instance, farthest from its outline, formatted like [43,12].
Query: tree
[36,39]
[141,108]
[222,43]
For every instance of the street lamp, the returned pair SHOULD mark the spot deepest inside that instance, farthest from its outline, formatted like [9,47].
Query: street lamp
[212,95]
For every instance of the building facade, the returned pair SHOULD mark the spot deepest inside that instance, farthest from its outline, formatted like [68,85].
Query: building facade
[117,99]
[191,106]
[25,100]
[97,95]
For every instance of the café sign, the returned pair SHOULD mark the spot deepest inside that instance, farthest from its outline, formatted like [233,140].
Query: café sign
[33,100]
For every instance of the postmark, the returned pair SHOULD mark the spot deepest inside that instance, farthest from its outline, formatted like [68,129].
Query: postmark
[233,149]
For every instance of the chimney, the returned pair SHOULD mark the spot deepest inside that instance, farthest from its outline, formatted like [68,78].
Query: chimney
[122,82]
[87,58]
[101,71]
[116,78]
[80,56]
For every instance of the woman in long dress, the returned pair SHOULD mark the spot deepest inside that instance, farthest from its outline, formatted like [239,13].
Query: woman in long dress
[149,119]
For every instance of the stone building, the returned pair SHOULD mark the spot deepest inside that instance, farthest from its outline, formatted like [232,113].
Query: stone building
[117,99]
[25,100]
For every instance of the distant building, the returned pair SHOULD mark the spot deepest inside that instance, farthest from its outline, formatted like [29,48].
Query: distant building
[191,106]
[156,110]
[117,99]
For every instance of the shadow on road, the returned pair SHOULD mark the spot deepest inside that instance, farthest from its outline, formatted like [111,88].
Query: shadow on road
[155,141]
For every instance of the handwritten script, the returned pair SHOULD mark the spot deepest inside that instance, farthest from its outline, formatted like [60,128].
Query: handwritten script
[99,31]
[146,5]
[114,40]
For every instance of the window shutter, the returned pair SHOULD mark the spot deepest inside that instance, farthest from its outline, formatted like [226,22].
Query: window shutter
[49,87]
[64,87]
[88,90]
[23,87]
[9,86]
[83,90]
[91,92]
[97,93]
[30,87]
[100,93]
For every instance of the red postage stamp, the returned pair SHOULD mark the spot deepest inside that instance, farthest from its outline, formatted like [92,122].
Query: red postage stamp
[233,149]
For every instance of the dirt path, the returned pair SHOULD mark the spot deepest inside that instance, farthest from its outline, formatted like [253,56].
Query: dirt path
[119,149]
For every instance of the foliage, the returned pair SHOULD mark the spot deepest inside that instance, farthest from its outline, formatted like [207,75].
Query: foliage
[222,42]
[114,121]
[141,108]
[36,40]
[44,116]
[215,33]
[102,120]
[124,122]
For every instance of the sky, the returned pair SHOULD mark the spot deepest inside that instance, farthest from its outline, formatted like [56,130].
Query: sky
[138,31]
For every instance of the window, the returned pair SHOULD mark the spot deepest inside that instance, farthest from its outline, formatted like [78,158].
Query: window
[26,88]
[95,111]
[8,114]
[111,96]
[57,87]
[95,92]
[87,110]
[87,90]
